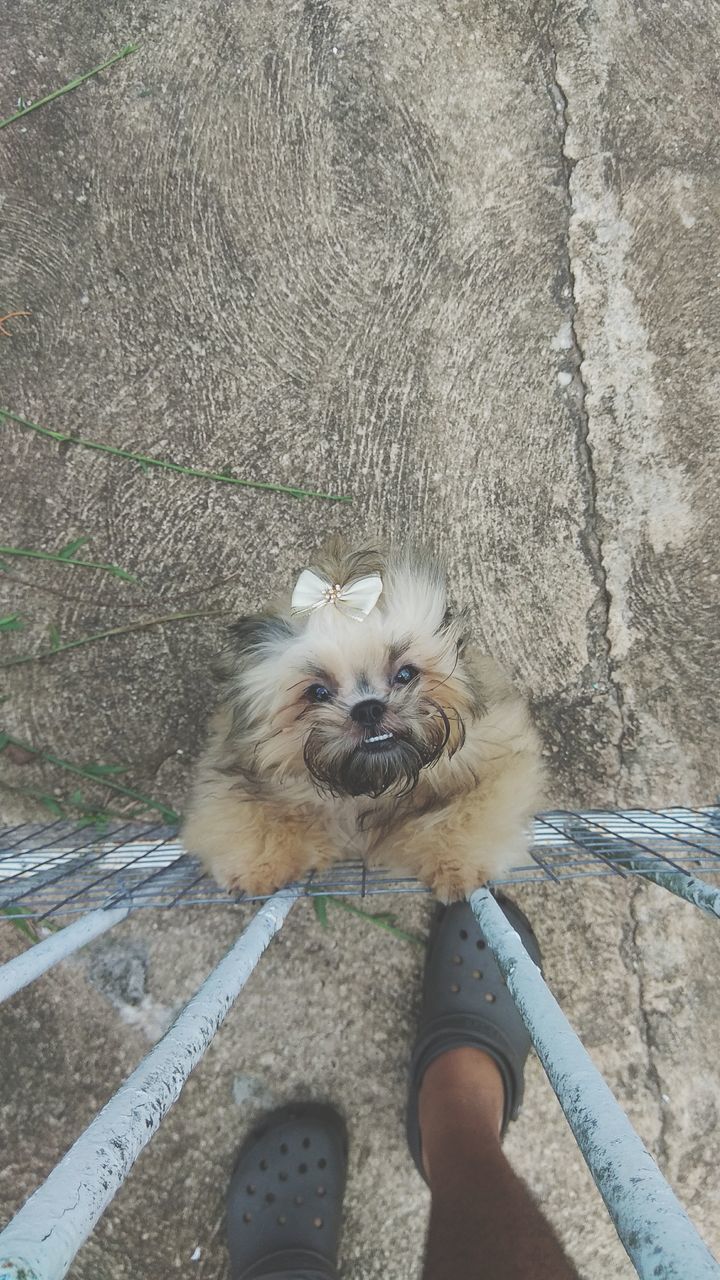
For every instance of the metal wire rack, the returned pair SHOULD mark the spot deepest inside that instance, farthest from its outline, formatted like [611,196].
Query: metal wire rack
[60,868]
[99,878]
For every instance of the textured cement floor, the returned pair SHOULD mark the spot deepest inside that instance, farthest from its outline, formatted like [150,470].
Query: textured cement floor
[462,262]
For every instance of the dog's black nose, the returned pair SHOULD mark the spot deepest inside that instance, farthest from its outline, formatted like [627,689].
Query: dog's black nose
[368,713]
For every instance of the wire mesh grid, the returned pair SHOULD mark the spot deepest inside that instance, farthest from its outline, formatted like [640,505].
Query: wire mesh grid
[58,868]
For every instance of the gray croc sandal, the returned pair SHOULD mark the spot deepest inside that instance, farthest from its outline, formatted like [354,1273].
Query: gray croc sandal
[466,1003]
[284,1202]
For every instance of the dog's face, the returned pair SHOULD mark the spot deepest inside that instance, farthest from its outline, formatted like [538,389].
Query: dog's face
[360,708]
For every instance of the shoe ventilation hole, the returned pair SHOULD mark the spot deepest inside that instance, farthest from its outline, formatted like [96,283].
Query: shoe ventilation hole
[480,945]
[322,1163]
[463,934]
[306,1143]
[299,1199]
[302,1168]
[489,997]
[317,1222]
[270,1197]
[283,1148]
[454,987]
[281,1220]
[321,1191]
[263,1165]
[457,960]
[250,1189]
[247,1217]
[477,973]
[282,1176]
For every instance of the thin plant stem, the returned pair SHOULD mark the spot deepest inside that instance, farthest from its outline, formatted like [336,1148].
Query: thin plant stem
[48,757]
[11,315]
[142,625]
[58,559]
[45,589]
[383,921]
[146,461]
[60,804]
[72,84]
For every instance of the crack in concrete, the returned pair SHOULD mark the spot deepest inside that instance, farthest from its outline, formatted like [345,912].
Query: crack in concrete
[598,615]
[646,1032]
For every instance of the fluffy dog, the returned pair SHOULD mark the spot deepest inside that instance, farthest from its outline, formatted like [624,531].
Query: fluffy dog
[360,722]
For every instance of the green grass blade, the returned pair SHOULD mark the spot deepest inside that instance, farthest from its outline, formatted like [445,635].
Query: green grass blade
[12,623]
[51,804]
[67,88]
[320,908]
[144,460]
[21,923]
[383,920]
[68,551]
[102,770]
[91,815]
[48,757]
[142,625]
[30,554]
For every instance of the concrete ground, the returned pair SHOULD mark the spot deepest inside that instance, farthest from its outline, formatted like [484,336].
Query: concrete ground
[462,262]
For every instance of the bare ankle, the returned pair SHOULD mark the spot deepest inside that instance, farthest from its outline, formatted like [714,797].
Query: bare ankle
[461,1108]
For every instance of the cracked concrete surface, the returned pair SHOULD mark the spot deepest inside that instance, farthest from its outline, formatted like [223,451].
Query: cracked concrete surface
[461,262]
[646,1029]
[573,379]
[644,207]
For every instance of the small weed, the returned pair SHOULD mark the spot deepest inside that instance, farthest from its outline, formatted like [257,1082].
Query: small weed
[12,623]
[103,770]
[66,88]
[51,803]
[75,807]
[320,908]
[19,920]
[90,773]
[24,924]
[56,646]
[145,462]
[66,555]
[383,919]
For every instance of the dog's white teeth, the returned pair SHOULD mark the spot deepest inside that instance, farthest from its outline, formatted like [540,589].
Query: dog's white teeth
[379,737]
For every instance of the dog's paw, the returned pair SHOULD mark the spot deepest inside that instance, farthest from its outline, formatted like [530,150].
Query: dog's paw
[251,885]
[450,885]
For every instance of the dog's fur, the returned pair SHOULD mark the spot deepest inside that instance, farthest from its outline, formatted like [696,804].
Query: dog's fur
[286,783]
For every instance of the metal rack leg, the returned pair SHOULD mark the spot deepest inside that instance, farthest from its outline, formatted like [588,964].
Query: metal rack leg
[659,1237]
[43,1238]
[699,893]
[29,965]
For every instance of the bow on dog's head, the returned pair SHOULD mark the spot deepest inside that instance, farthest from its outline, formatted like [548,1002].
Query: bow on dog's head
[355,709]
[354,599]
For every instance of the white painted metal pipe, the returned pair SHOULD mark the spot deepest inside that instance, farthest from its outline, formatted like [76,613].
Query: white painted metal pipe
[699,893]
[652,1224]
[29,965]
[43,1238]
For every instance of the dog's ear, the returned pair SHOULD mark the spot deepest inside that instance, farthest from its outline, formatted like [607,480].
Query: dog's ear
[260,631]
[457,622]
[249,639]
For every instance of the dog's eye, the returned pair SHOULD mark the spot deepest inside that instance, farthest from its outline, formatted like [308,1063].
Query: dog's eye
[318,693]
[405,674]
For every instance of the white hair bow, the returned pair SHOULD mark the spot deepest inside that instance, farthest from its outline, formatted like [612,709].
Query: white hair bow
[355,599]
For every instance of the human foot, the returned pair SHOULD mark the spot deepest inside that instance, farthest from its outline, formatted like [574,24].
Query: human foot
[468,1018]
[284,1201]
